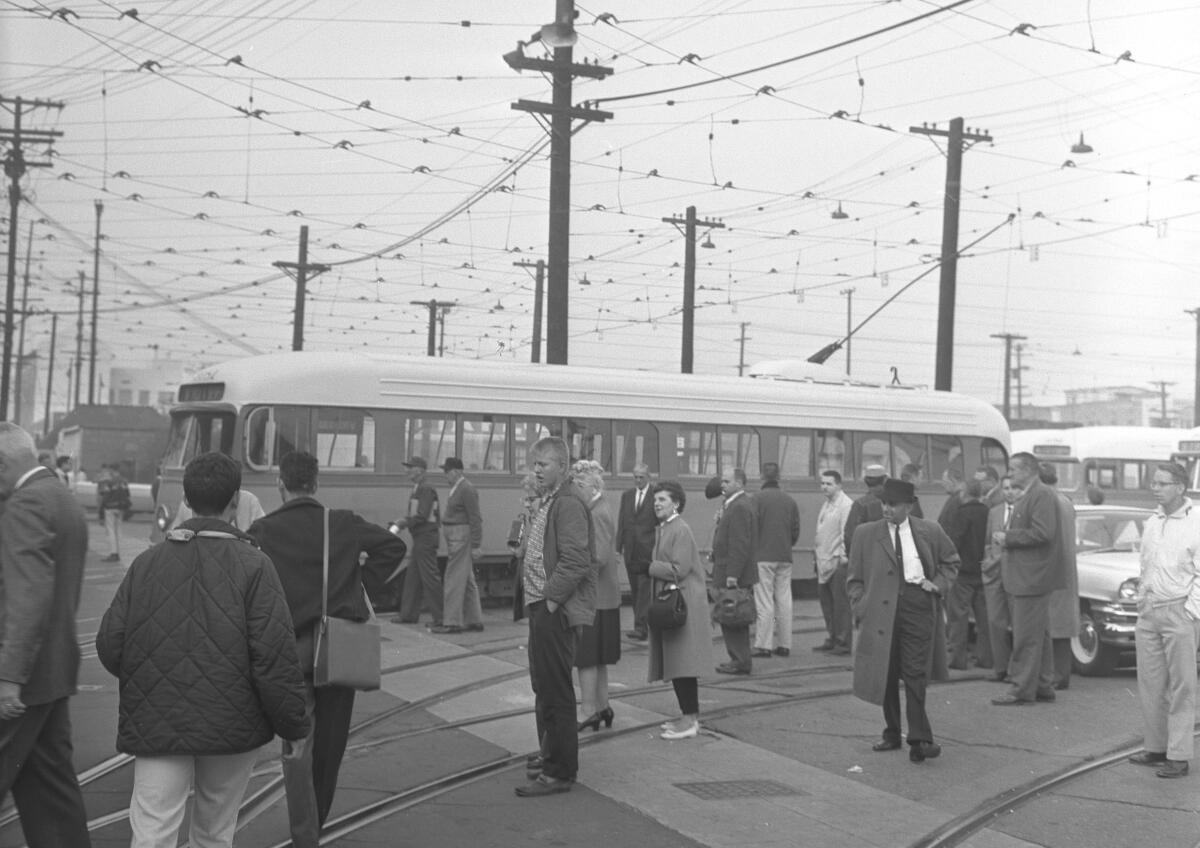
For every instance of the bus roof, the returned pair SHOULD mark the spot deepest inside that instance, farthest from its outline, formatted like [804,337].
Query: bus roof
[420,383]
[1147,443]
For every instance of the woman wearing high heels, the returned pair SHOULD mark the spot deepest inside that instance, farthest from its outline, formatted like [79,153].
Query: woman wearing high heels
[680,655]
[599,644]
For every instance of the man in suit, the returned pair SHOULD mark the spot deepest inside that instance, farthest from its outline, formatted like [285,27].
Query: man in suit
[1030,573]
[293,537]
[424,579]
[43,544]
[734,565]
[969,535]
[1064,601]
[868,507]
[778,519]
[999,617]
[636,525]
[462,525]
[900,570]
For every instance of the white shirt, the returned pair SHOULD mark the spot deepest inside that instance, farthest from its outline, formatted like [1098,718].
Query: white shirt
[1171,558]
[830,543]
[913,572]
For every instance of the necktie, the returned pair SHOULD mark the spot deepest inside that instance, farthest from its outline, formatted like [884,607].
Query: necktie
[1007,515]
[899,550]
[638,503]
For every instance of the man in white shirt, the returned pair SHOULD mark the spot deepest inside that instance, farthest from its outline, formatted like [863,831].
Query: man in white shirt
[831,561]
[1168,624]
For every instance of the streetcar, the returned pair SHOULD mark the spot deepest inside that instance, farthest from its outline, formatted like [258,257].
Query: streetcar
[1110,465]
[362,417]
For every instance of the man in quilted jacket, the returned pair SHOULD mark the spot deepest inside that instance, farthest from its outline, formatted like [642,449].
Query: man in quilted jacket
[200,638]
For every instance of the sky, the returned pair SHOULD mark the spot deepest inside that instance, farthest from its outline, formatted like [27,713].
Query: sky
[212,130]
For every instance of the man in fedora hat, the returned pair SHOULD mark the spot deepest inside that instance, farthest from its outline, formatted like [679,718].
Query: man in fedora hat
[900,570]
[462,525]
[423,580]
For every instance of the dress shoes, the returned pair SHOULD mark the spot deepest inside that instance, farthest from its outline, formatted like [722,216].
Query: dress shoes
[761,653]
[445,628]
[839,651]
[919,752]
[544,785]
[783,652]
[886,745]
[730,668]
[690,730]
[1046,696]
[636,635]
[1173,768]
[1011,701]
[474,628]
[825,646]
[1148,758]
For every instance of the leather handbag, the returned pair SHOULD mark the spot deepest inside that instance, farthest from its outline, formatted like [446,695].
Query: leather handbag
[735,607]
[345,653]
[668,609]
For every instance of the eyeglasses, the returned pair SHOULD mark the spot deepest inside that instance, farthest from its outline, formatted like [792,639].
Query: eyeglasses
[1159,484]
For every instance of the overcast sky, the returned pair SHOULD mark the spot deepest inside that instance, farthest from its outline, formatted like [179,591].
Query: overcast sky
[212,130]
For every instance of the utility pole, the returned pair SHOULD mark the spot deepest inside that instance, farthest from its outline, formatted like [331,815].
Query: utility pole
[299,272]
[50,373]
[15,165]
[689,224]
[1196,387]
[1162,392]
[1019,371]
[434,306]
[849,293]
[539,281]
[24,317]
[944,371]
[1008,371]
[742,348]
[95,305]
[79,340]
[559,35]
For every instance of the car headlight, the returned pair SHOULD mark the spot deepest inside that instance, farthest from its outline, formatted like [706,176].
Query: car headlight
[1128,589]
[162,517]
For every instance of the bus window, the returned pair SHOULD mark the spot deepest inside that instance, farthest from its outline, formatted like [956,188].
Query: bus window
[946,454]
[589,439]
[910,453]
[873,449]
[484,442]
[1102,473]
[431,438]
[795,454]
[194,433]
[739,449]
[831,451]
[272,431]
[345,438]
[526,432]
[696,450]
[635,442]
[992,453]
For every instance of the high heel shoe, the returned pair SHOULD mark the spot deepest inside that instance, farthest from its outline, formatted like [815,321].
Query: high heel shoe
[593,721]
[606,715]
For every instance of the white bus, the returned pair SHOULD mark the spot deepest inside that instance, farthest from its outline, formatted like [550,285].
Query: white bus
[362,417]
[1109,464]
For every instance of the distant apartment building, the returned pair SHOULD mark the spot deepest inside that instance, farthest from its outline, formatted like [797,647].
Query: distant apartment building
[155,386]
[1129,406]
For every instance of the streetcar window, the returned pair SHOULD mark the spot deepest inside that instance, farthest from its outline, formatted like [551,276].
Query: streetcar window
[696,450]
[194,433]
[739,449]
[345,438]
[873,449]
[795,454]
[431,437]
[590,439]
[635,442]
[526,432]
[272,431]
[831,451]
[910,452]
[946,454]
[484,442]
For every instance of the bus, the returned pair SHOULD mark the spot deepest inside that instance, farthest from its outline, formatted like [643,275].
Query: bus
[1187,454]
[1112,465]
[362,417]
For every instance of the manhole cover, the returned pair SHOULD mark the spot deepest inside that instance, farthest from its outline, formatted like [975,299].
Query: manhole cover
[719,790]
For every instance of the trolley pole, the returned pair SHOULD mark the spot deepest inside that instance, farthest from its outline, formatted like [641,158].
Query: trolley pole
[539,281]
[689,224]
[299,272]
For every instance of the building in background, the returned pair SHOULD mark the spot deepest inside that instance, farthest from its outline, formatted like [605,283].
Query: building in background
[155,386]
[1119,406]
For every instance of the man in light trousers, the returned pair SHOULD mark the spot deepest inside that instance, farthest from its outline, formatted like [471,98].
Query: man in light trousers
[778,531]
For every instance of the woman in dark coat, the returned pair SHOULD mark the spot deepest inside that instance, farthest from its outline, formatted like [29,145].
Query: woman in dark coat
[680,655]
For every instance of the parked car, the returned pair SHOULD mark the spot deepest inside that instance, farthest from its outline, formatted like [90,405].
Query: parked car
[1107,542]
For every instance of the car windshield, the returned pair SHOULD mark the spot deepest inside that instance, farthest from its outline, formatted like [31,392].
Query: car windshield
[1120,531]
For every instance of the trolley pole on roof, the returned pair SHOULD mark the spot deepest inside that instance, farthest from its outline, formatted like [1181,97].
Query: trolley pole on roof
[299,272]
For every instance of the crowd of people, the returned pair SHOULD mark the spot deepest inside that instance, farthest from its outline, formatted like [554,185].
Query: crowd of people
[211,632]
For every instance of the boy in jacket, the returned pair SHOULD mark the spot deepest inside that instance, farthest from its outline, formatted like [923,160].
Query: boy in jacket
[200,638]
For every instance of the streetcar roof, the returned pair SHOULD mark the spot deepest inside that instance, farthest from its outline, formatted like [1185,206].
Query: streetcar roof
[479,386]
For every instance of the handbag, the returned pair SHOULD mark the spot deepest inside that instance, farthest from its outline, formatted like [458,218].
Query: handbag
[668,609]
[345,653]
[735,607]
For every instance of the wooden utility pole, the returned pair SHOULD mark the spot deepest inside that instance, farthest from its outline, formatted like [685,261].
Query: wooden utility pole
[1019,371]
[434,306]
[95,306]
[1008,371]
[944,371]
[689,224]
[1196,385]
[50,373]
[849,293]
[78,370]
[299,272]
[21,337]
[539,281]
[742,348]
[1164,421]
[559,35]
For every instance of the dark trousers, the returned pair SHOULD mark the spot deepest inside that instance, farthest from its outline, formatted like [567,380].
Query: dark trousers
[835,607]
[687,693]
[639,592]
[311,765]
[35,764]
[1062,662]
[423,582]
[966,596]
[737,643]
[1033,652]
[551,657]
[912,646]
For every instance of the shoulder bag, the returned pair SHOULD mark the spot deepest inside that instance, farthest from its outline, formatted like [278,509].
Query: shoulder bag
[668,609]
[345,653]
[735,607]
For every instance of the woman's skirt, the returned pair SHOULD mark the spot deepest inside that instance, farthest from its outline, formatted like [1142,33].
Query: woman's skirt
[600,644]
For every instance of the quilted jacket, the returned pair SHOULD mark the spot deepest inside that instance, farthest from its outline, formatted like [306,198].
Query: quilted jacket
[200,639]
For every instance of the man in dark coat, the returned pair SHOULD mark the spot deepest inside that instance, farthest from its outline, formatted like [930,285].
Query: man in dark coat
[1064,600]
[778,519]
[43,543]
[969,534]
[293,537]
[868,507]
[900,569]
[423,578]
[734,565]
[636,526]
[1030,572]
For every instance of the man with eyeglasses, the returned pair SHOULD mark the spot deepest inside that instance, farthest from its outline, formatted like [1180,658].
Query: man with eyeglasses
[1168,625]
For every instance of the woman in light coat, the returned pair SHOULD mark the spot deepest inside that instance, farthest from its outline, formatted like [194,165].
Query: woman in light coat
[680,655]
[599,643]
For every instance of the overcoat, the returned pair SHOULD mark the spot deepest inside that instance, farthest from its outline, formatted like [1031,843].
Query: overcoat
[733,543]
[1064,602]
[608,588]
[687,650]
[873,584]
[1030,567]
